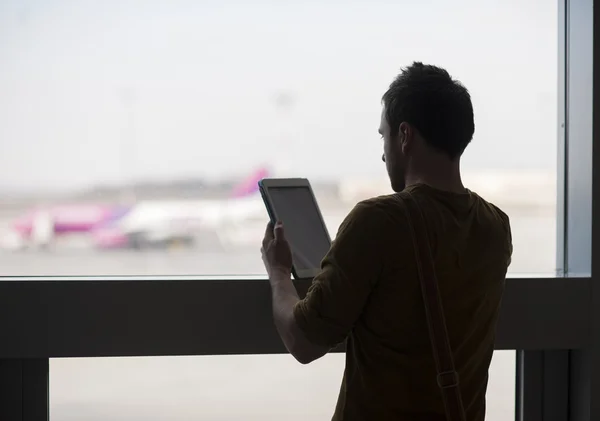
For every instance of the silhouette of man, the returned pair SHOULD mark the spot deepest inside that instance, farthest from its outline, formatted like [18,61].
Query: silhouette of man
[368,292]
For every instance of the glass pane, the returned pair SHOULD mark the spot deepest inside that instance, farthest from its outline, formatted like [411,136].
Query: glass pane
[250,387]
[134,132]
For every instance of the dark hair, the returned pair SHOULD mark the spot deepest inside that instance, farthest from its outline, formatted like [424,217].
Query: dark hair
[438,106]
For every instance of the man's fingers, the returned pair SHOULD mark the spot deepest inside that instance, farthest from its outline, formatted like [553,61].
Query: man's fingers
[278,231]
[269,231]
[268,235]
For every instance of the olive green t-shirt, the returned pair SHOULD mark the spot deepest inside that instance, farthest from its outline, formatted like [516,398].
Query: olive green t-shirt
[368,292]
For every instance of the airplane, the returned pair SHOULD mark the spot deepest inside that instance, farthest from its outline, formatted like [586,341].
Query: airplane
[41,227]
[159,223]
[146,224]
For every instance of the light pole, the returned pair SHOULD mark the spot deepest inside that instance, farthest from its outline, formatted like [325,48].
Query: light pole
[284,103]
[128,144]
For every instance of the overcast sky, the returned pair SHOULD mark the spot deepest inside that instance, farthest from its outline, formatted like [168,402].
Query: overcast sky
[113,90]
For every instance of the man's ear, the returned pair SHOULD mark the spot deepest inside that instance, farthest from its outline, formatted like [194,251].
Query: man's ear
[405,135]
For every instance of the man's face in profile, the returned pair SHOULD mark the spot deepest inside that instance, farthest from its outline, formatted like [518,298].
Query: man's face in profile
[392,155]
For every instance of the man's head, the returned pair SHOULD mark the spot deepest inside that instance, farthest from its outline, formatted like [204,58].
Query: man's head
[427,116]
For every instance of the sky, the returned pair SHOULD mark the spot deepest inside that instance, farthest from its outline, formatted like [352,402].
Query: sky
[113,91]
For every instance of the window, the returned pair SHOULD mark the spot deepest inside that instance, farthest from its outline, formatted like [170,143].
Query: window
[249,387]
[136,149]
[149,121]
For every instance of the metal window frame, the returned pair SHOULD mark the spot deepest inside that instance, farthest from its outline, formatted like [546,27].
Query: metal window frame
[553,322]
[553,384]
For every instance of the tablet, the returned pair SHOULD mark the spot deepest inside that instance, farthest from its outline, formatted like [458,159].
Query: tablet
[292,201]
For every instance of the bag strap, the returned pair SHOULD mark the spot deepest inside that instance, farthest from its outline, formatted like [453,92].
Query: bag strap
[447,376]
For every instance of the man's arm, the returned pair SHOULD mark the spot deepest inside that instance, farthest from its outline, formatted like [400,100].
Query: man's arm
[311,327]
[285,298]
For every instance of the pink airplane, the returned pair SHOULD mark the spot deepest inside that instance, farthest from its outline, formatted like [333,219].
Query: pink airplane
[161,223]
[122,226]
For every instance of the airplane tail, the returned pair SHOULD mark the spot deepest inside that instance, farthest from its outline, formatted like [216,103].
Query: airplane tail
[249,185]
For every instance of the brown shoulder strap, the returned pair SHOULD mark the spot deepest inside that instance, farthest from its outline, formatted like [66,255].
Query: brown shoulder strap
[447,376]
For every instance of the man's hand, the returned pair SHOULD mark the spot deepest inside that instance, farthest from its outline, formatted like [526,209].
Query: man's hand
[277,257]
[276,252]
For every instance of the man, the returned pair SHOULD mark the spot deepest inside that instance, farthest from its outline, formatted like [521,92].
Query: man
[368,291]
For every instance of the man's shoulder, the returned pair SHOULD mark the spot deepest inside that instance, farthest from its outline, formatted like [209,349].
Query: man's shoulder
[380,208]
[498,226]
[381,203]
[495,212]
[375,223]
[379,215]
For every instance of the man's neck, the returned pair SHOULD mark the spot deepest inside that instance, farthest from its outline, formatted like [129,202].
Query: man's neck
[442,175]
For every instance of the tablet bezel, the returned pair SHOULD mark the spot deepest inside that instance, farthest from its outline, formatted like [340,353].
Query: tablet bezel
[267,183]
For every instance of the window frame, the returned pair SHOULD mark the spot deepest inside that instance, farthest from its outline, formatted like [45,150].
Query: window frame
[137,317]
[553,322]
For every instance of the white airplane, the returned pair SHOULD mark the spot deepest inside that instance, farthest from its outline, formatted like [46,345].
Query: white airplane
[510,189]
[160,223]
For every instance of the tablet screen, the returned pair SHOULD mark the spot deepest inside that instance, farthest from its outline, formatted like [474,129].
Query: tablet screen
[304,229]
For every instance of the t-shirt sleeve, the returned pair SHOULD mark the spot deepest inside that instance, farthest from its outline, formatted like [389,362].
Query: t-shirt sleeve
[505,220]
[349,271]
